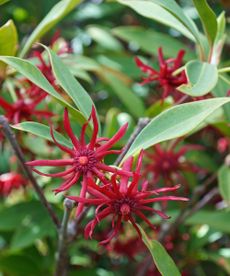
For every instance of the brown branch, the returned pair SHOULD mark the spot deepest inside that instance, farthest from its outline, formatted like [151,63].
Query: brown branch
[11,138]
[142,122]
[62,254]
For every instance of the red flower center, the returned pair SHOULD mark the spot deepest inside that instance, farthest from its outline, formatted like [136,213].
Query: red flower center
[124,206]
[125,209]
[85,160]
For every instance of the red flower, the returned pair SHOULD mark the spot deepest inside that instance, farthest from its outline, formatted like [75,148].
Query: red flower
[123,200]
[164,77]
[10,181]
[23,109]
[168,163]
[85,160]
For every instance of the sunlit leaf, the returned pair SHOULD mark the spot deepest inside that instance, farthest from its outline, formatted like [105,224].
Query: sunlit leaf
[202,78]
[8,43]
[161,258]
[43,131]
[208,19]
[175,122]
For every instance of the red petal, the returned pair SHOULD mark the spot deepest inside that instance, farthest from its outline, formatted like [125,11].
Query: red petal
[55,163]
[69,130]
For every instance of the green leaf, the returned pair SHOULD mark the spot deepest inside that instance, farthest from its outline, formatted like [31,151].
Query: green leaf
[32,73]
[60,10]
[202,78]
[220,90]
[12,217]
[43,131]
[3,1]
[103,37]
[145,37]
[8,43]
[217,220]
[18,265]
[162,260]
[132,102]
[71,86]
[224,183]
[175,122]
[156,12]
[208,19]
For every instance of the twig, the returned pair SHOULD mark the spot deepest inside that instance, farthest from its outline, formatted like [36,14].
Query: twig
[11,137]
[142,122]
[62,254]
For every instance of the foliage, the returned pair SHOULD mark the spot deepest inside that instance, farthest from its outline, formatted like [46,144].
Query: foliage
[147,78]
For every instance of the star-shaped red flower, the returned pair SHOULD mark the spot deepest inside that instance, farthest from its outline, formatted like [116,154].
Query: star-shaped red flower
[122,199]
[85,160]
[164,77]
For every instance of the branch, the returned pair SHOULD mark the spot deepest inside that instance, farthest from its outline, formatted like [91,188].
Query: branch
[62,255]
[11,138]
[142,122]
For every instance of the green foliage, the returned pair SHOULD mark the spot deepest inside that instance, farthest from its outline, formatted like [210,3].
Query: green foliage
[208,19]
[224,183]
[162,260]
[8,43]
[61,9]
[202,78]
[43,131]
[175,122]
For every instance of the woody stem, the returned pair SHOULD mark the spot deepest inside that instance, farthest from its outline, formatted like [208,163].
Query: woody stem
[62,254]
[142,122]
[14,144]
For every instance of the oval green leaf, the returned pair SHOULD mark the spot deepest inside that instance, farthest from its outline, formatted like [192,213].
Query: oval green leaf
[202,78]
[43,131]
[161,258]
[208,19]
[71,86]
[175,122]
[55,15]
[8,43]
[158,11]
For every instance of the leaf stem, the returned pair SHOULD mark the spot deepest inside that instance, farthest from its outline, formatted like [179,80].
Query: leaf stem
[14,144]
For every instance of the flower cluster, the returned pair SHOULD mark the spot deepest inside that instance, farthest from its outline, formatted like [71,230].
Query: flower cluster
[165,78]
[10,181]
[86,159]
[114,191]
[125,200]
